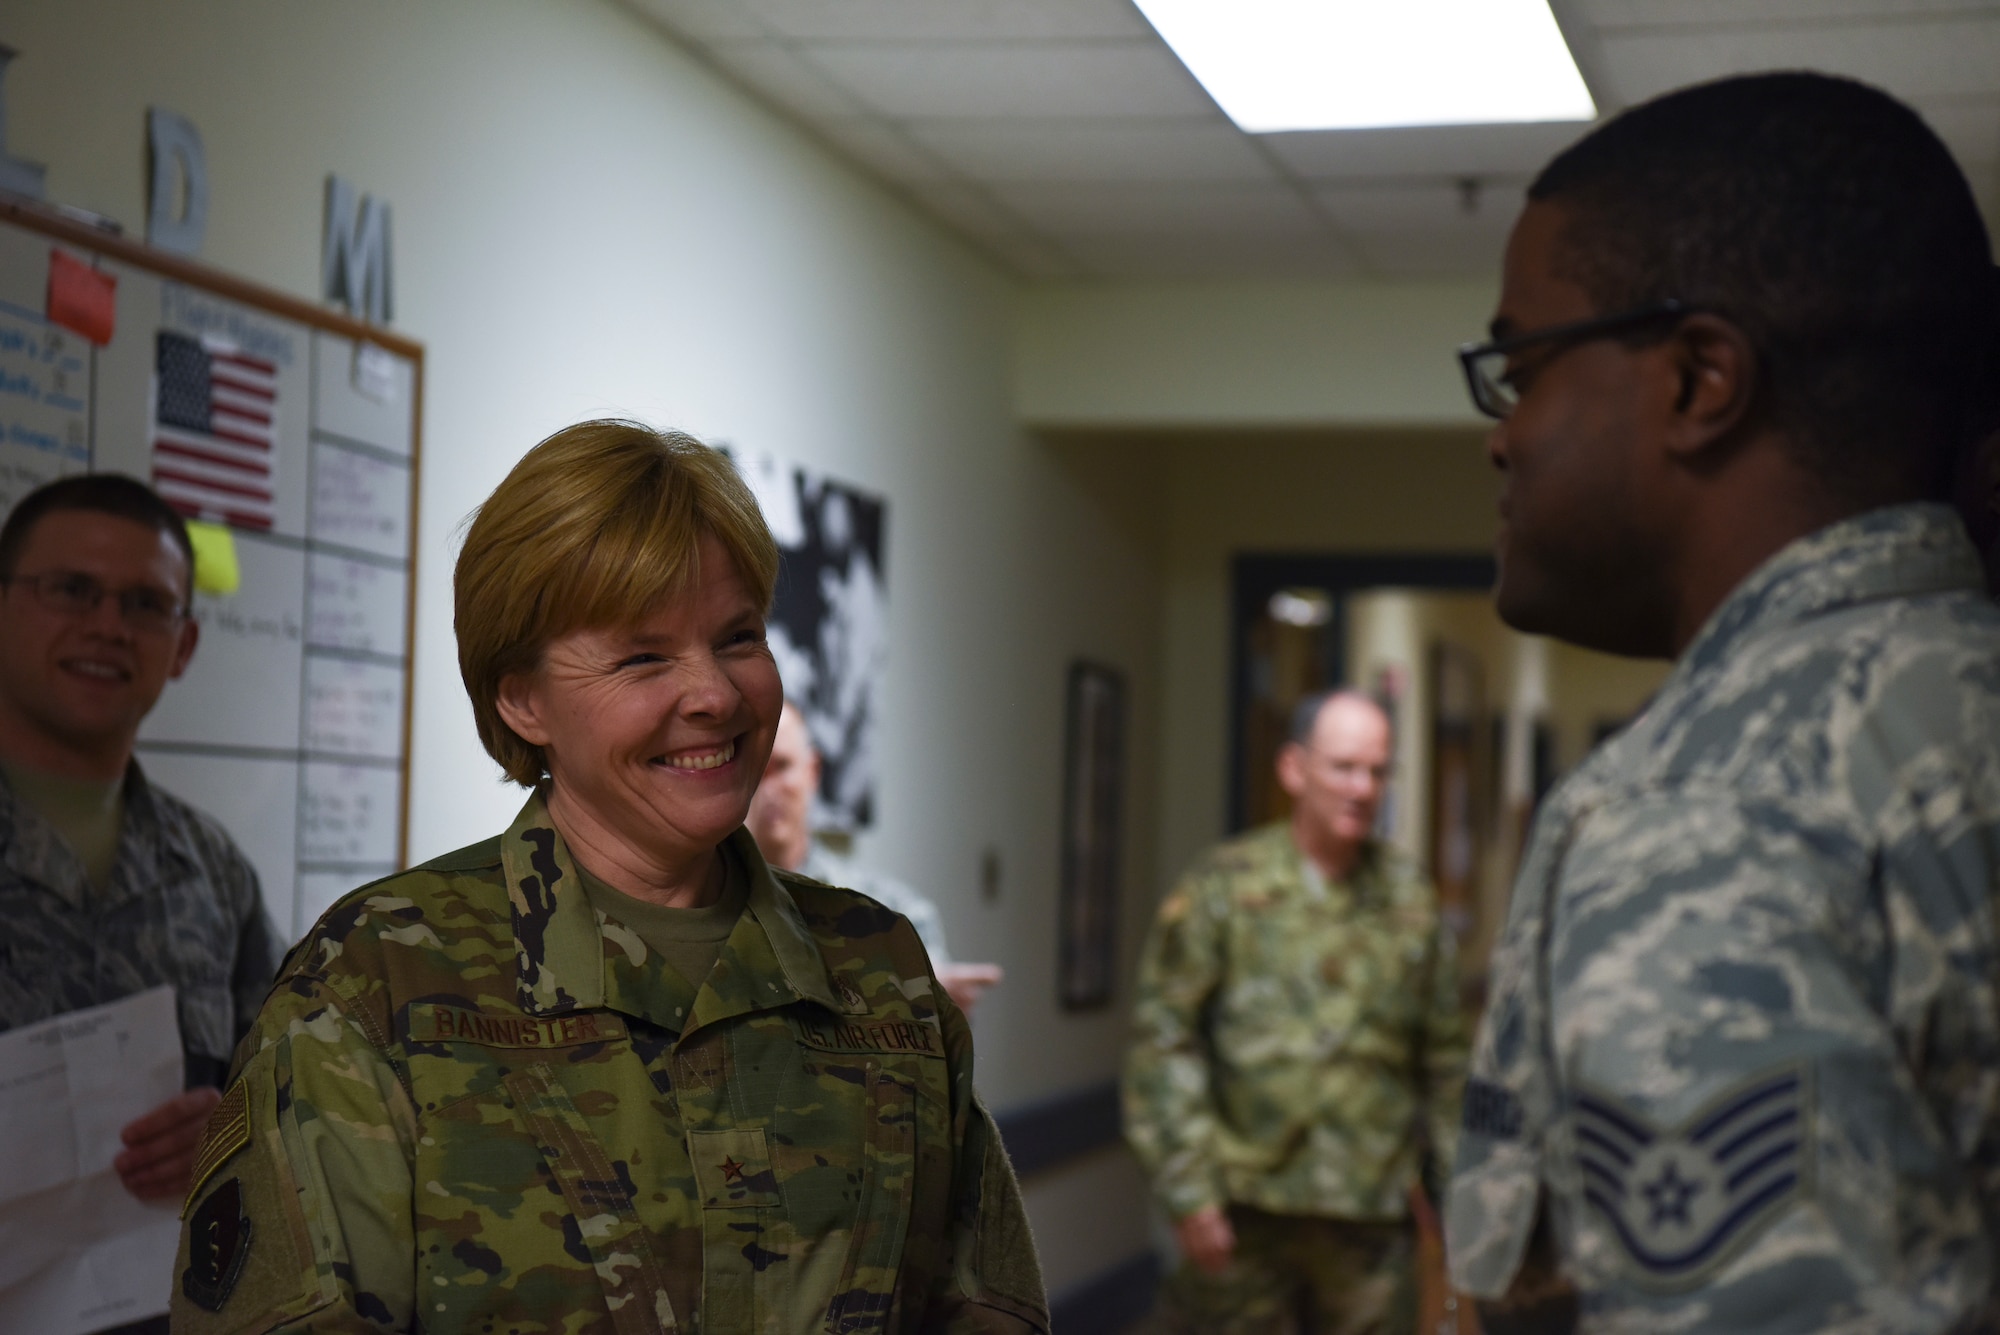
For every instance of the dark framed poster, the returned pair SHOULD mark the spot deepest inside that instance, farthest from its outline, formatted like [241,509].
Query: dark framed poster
[1092,834]
[829,622]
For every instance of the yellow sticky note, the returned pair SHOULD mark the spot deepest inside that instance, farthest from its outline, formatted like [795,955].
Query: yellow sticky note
[215,568]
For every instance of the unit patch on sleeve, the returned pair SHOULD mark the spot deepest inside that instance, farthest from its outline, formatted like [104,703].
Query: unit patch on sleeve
[218,1244]
[1682,1202]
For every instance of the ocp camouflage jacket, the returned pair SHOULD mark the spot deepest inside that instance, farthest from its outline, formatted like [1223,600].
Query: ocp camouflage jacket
[1296,1043]
[474,1104]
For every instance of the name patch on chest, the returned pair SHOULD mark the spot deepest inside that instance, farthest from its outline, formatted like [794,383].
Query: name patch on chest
[433,1023]
[873,1036]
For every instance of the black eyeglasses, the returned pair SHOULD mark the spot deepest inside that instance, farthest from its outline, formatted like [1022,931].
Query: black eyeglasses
[73,593]
[1485,364]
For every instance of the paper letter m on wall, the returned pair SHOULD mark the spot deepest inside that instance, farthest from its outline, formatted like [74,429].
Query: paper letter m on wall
[354,260]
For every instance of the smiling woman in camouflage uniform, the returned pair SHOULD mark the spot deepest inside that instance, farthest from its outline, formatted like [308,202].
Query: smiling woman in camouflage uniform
[608,1072]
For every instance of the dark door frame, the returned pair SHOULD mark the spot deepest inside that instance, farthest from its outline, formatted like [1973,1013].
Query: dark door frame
[1255,576]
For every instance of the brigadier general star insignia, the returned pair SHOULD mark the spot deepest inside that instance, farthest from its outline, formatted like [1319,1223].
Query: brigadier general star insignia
[1684,1201]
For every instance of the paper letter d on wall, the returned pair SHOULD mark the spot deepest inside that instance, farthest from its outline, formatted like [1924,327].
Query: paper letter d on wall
[177,160]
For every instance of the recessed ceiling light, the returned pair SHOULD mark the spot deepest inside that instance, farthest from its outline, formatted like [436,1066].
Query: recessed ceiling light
[1354,64]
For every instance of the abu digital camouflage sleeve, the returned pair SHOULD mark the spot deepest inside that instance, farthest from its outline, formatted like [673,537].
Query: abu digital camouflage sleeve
[1171,1119]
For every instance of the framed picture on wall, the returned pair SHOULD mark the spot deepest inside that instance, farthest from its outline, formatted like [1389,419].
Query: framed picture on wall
[1092,834]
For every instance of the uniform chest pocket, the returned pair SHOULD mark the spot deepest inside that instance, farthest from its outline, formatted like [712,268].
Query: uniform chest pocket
[859,1170]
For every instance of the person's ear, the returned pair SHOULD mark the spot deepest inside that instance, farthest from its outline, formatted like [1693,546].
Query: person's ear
[519,702]
[1292,768]
[184,643]
[1715,373]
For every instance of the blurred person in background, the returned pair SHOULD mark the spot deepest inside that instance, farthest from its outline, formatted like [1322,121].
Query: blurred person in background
[781,822]
[1298,1052]
[607,1070]
[1738,1068]
[110,886]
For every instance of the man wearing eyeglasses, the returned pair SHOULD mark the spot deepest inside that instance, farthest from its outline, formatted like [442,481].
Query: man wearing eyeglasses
[109,886]
[1297,1054]
[1740,1069]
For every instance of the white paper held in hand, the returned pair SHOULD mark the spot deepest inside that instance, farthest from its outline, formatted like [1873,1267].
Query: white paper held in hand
[77,1251]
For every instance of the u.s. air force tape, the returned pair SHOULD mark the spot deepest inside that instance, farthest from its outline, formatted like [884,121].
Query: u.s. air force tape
[228,1131]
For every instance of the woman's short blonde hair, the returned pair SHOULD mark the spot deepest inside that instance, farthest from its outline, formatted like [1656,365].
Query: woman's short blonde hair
[594,527]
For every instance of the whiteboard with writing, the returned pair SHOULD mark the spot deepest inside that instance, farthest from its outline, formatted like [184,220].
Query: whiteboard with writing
[297,429]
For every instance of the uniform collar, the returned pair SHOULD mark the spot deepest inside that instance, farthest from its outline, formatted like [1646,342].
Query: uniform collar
[1896,552]
[1357,884]
[559,947]
[33,851]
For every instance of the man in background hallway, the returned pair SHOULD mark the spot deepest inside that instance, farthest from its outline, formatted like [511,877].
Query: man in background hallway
[109,886]
[1737,1073]
[781,822]
[1298,1052]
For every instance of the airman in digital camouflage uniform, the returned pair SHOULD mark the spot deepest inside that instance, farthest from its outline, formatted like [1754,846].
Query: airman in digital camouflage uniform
[522,1088]
[1741,1066]
[1298,1051]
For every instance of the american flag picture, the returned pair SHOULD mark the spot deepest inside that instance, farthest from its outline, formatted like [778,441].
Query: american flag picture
[212,431]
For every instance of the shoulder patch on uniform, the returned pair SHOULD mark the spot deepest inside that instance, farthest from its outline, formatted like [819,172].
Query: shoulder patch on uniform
[1683,1202]
[218,1244]
[228,1131]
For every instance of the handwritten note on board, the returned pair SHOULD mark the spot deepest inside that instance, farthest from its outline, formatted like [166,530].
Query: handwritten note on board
[360,500]
[354,708]
[356,605]
[349,813]
[44,404]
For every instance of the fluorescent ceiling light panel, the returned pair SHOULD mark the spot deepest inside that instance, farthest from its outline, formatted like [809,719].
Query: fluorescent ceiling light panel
[1356,64]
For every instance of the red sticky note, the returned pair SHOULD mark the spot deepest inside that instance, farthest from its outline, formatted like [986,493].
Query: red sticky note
[81,298]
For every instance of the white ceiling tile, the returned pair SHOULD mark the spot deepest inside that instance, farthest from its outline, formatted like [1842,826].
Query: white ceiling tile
[1064,211]
[1439,204]
[932,20]
[701,20]
[983,221]
[1137,78]
[1096,151]
[1031,257]
[1912,60]
[1704,13]
[966,207]
[1430,150]
[778,75]
[881,148]
[1425,254]
[1211,255]
[1412,229]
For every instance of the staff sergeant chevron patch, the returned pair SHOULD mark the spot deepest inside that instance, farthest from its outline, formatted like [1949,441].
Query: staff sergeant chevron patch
[1683,1202]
